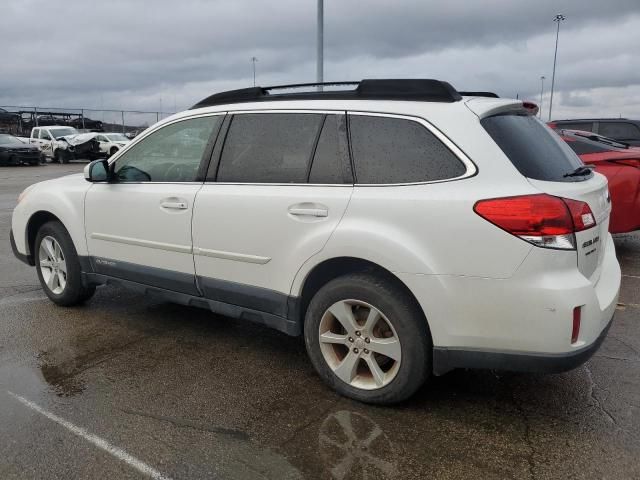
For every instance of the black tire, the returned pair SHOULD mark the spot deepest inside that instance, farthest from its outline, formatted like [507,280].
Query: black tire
[113,151]
[57,158]
[401,311]
[74,292]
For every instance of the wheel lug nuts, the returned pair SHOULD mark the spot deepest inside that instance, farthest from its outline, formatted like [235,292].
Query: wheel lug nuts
[367,340]
[358,334]
[351,339]
[355,350]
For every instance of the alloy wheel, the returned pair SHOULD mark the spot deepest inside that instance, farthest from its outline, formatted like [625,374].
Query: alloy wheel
[52,265]
[360,344]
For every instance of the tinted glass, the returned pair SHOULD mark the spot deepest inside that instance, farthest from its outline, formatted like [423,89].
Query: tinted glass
[269,147]
[619,130]
[584,147]
[171,154]
[327,161]
[584,126]
[534,149]
[393,150]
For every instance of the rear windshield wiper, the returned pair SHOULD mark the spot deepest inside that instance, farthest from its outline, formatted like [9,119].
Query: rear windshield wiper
[580,171]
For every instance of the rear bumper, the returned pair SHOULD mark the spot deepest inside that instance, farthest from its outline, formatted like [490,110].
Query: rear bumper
[447,359]
[521,323]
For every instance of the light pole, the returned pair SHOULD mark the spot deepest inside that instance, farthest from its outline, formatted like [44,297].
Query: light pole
[253,61]
[320,45]
[558,18]
[542,78]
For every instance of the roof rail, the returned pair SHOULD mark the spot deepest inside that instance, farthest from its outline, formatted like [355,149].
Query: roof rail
[424,90]
[479,94]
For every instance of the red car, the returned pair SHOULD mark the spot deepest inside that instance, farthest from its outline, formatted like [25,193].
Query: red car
[620,163]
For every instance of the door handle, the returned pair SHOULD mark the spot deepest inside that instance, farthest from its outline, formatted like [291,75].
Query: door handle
[174,204]
[309,212]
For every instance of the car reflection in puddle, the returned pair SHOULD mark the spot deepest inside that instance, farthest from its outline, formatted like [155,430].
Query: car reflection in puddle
[353,446]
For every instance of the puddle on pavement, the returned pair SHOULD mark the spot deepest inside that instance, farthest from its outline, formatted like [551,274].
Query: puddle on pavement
[353,446]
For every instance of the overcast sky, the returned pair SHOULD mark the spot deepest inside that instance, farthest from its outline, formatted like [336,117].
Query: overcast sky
[139,54]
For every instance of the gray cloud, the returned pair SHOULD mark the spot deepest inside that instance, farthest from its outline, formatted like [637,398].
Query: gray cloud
[129,54]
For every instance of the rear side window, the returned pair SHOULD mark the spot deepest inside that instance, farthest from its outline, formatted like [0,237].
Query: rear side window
[269,147]
[395,150]
[535,150]
[619,130]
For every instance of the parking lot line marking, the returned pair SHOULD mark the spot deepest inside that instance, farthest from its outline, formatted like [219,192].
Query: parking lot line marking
[94,439]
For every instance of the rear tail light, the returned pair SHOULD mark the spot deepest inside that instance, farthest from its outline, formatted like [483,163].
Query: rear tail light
[541,219]
[630,162]
[575,330]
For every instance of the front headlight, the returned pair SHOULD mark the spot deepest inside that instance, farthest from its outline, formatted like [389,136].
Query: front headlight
[25,192]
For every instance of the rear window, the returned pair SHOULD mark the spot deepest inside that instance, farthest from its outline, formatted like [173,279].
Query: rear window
[534,149]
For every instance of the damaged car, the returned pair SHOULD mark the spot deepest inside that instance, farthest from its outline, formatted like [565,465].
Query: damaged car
[62,144]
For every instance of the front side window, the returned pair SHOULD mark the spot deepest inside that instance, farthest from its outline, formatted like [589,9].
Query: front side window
[395,150]
[170,154]
[44,135]
[269,147]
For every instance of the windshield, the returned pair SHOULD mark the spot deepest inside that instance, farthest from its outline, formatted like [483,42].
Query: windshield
[533,148]
[6,139]
[62,132]
[116,137]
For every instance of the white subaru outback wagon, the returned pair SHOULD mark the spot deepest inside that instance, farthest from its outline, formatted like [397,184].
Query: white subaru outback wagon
[402,227]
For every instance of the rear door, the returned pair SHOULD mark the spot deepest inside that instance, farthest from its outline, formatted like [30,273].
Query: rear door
[138,226]
[550,165]
[275,192]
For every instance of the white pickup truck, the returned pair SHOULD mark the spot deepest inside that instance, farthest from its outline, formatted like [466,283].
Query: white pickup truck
[62,143]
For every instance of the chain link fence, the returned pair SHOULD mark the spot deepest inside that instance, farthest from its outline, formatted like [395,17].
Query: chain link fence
[19,120]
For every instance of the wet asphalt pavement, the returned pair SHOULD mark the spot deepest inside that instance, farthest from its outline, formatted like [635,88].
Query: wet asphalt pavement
[188,394]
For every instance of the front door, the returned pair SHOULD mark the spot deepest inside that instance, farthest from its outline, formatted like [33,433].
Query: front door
[138,226]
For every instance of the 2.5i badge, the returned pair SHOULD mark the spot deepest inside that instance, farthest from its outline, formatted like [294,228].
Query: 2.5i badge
[589,243]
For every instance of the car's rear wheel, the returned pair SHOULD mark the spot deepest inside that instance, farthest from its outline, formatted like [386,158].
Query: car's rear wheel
[368,339]
[113,151]
[58,266]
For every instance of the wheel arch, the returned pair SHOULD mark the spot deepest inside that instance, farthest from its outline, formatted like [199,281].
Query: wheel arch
[34,223]
[335,267]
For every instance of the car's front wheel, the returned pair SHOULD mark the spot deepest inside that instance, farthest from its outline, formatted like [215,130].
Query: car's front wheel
[368,339]
[58,266]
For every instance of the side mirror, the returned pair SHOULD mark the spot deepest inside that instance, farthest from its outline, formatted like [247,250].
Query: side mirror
[97,171]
